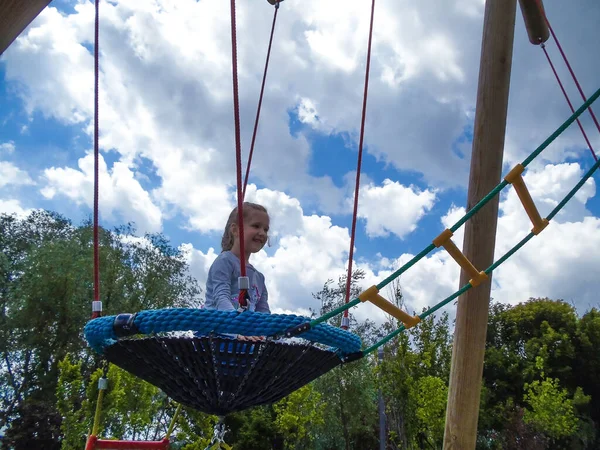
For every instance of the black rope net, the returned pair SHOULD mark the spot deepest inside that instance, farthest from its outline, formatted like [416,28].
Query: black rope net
[219,375]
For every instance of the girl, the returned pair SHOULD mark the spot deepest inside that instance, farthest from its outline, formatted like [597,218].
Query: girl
[222,289]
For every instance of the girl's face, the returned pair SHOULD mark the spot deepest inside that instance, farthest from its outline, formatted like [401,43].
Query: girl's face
[256,229]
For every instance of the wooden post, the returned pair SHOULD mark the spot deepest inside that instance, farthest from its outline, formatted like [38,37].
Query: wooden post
[480,231]
[382,425]
[15,15]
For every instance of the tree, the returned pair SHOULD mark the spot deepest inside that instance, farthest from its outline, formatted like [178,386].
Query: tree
[297,414]
[45,296]
[541,336]
[348,392]
[587,363]
[550,409]
[254,429]
[70,395]
[414,377]
[432,395]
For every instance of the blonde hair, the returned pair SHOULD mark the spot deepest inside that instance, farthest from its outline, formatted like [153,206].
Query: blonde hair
[227,239]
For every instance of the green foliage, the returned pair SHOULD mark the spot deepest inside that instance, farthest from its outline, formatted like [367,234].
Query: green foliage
[254,429]
[297,414]
[70,395]
[131,409]
[432,396]
[535,388]
[413,378]
[587,363]
[194,429]
[541,369]
[551,410]
[348,392]
[350,412]
[130,406]
[46,288]
[397,380]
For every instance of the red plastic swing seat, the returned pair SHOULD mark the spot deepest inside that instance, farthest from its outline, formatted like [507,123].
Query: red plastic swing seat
[94,443]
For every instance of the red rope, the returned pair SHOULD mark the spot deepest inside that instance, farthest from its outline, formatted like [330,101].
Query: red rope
[96,244]
[262,90]
[573,74]
[238,150]
[564,56]
[359,164]
[587,141]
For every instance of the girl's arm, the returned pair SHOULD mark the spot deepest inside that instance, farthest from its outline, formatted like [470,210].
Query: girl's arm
[263,302]
[219,276]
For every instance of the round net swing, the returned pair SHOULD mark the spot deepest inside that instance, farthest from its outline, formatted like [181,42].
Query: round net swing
[215,373]
[194,355]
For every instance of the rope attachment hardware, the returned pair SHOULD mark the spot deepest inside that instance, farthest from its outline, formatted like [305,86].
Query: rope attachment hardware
[243,286]
[96,308]
[296,330]
[345,322]
[243,283]
[372,295]
[444,240]
[515,178]
[102,387]
[124,325]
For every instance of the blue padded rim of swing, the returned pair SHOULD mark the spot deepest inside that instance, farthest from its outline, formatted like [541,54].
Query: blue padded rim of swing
[99,332]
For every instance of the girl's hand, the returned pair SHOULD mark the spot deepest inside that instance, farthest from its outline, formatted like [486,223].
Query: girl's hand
[250,338]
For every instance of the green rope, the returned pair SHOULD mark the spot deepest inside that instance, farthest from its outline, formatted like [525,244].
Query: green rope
[496,190]
[466,217]
[383,341]
[405,267]
[527,160]
[495,265]
[422,316]
[475,209]
[574,190]
[508,254]
[335,312]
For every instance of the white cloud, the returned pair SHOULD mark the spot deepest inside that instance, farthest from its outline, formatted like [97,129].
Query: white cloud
[393,207]
[199,262]
[12,175]
[558,263]
[119,192]
[307,251]
[307,111]
[53,41]
[166,96]
[12,206]
[7,147]
[548,185]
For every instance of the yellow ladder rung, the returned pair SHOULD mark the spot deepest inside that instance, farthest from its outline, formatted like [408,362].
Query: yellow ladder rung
[444,240]
[515,178]
[372,295]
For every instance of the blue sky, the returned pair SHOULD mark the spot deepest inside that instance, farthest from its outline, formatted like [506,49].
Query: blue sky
[166,123]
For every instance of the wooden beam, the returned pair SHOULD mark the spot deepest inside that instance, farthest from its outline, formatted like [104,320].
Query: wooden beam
[15,16]
[535,21]
[480,231]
